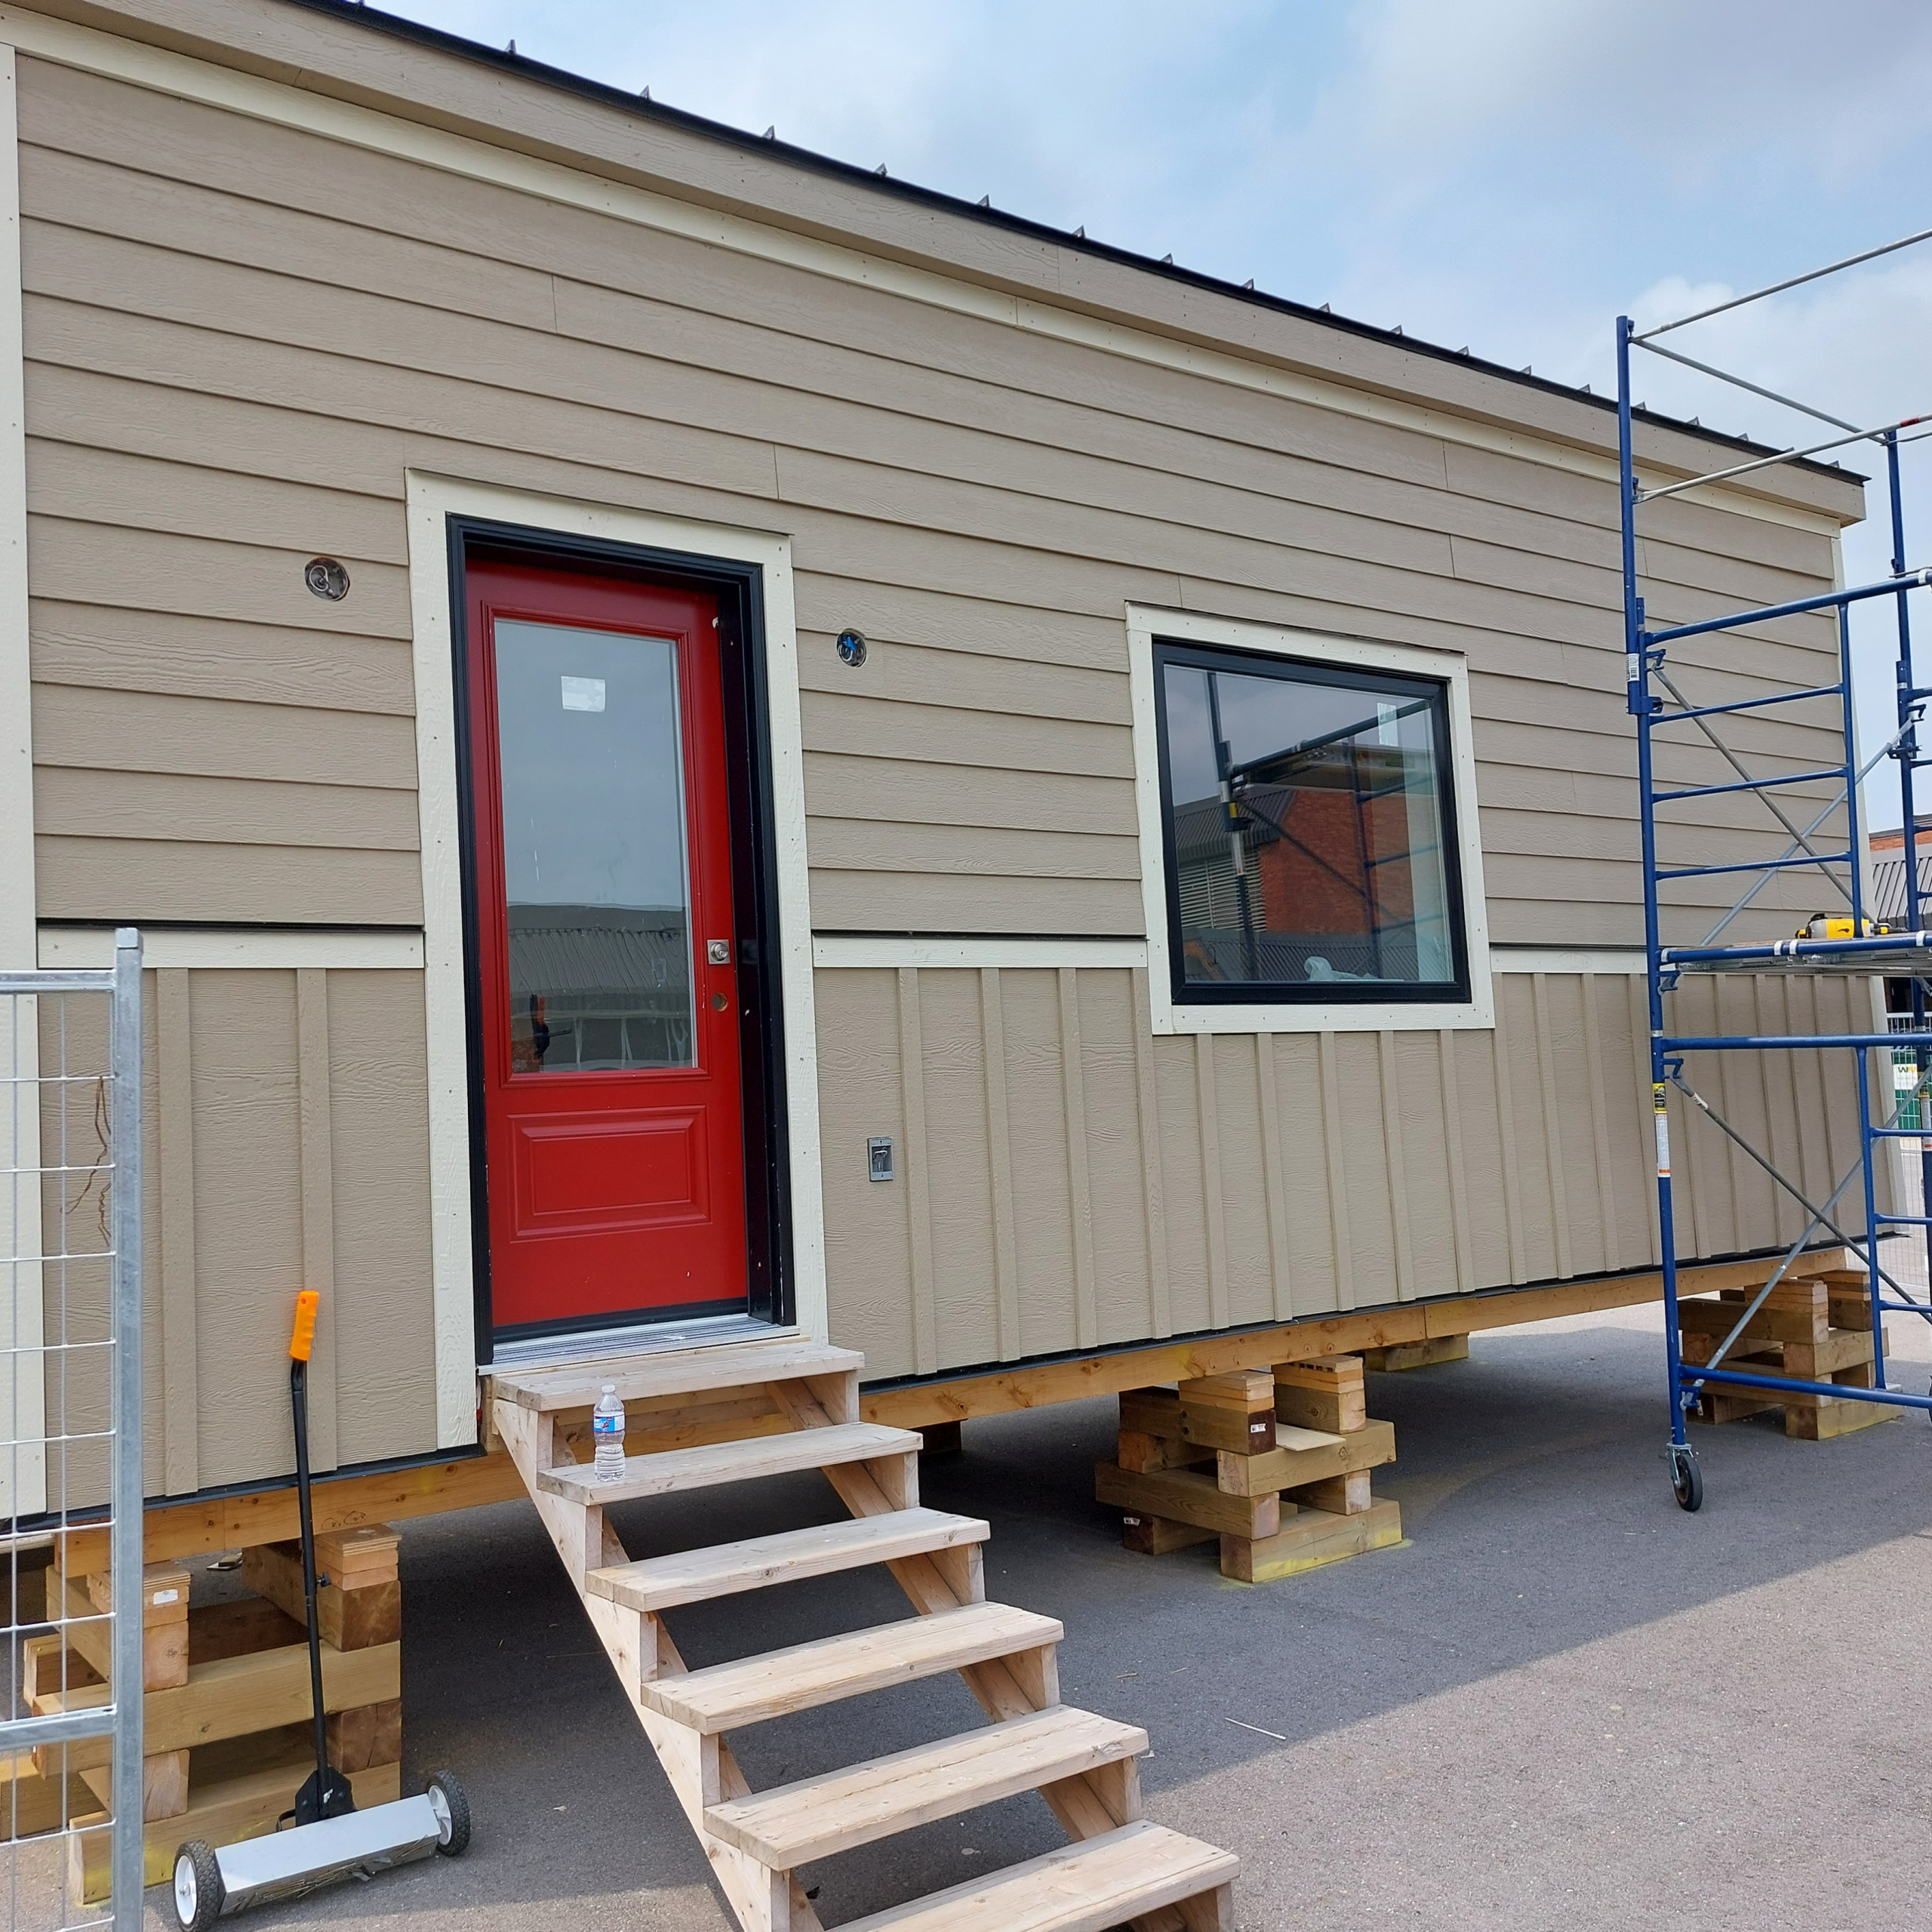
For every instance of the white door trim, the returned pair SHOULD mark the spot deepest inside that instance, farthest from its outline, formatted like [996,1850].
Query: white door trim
[433,499]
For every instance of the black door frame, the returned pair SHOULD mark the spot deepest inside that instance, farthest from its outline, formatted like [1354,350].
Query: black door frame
[739,589]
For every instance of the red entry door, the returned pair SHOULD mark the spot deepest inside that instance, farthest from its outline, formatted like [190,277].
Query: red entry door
[613,1107]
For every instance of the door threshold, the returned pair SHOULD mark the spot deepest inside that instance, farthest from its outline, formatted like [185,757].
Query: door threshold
[640,1338]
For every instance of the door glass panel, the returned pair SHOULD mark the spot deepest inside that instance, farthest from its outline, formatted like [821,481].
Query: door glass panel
[598,877]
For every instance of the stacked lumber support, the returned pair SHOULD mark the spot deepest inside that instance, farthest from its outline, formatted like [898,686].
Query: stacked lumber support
[1424,1354]
[1274,1463]
[228,1711]
[1121,1869]
[1817,1329]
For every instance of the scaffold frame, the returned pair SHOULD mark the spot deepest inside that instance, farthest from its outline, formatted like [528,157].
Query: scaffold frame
[1867,951]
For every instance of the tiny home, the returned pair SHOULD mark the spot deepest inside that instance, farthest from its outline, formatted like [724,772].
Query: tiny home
[700,736]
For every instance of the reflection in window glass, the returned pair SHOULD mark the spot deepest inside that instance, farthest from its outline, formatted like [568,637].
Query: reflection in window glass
[1306,814]
[597,875]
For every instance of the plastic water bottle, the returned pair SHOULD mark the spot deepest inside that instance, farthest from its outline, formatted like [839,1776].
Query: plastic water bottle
[608,1425]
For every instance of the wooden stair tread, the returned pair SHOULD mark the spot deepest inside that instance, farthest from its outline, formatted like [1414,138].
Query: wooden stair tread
[682,1372]
[672,1470]
[816,1817]
[725,1569]
[1096,1885]
[723,1697]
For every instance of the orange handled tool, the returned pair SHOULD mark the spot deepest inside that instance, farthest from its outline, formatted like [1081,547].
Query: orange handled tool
[303,1339]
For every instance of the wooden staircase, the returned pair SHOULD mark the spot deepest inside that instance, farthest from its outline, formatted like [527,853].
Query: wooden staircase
[1120,1869]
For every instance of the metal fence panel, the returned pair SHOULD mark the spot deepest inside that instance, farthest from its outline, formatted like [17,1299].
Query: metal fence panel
[71,1445]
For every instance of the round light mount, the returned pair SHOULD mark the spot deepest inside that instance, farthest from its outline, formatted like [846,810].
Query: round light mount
[851,648]
[326,578]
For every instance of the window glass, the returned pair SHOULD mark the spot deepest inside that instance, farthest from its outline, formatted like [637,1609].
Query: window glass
[1306,821]
[594,860]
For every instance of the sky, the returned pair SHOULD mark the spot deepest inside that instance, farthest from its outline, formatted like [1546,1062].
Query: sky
[1507,174]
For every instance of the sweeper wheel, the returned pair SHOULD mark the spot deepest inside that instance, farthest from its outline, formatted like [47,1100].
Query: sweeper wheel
[199,1894]
[452,1809]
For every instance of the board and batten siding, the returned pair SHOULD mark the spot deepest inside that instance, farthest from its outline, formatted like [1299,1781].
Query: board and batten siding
[287,1148]
[240,335]
[1068,1179]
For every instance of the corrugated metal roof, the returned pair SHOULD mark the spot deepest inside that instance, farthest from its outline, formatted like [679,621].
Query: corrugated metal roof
[1888,887]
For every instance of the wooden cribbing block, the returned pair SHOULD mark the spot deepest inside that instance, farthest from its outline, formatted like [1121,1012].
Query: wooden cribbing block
[1790,1338]
[353,1610]
[1182,1496]
[1309,1539]
[1425,1354]
[1325,1395]
[1234,1412]
[47,1664]
[1207,1425]
[31,1804]
[1340,1495]
[163,1784]
[165,1634]
[1804,1361]
[1849,1297]
[164,1667]
[1713,1317]
[1302,1455]
[1149,1454]
[232,1696]
[163,1594]
[371,1734]
[1156,1535]
[359,1558]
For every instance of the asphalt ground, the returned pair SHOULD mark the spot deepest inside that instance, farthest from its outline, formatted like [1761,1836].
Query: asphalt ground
[1560,1702]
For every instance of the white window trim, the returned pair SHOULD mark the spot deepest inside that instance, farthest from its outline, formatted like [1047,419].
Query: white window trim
[433,499]
[1144,624]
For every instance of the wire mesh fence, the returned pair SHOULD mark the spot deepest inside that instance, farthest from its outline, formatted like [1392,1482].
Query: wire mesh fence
[71,1766]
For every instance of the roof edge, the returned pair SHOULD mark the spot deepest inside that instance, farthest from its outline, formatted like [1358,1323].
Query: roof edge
[1594,429]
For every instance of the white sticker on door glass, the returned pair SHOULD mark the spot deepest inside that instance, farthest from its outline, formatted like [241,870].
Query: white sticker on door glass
[583,694]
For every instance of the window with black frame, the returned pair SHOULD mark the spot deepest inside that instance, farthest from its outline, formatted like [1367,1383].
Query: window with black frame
[1310,830]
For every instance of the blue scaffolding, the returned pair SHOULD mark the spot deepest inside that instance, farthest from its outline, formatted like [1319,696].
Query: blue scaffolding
[1867,950]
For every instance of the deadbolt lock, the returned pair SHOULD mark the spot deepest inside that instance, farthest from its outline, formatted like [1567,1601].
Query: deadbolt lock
[719,951]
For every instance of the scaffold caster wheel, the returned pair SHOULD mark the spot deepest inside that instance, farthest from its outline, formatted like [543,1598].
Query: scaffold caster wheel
[1687,1480]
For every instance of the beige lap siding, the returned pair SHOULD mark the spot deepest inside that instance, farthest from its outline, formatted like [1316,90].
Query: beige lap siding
[240,335]
[1215,1180]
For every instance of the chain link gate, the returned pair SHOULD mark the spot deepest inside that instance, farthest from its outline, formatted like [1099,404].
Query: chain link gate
[71,1445]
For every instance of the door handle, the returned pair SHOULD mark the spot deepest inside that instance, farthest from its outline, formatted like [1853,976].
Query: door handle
[718,952]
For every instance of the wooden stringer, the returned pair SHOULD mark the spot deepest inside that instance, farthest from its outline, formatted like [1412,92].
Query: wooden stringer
[1119,1868]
